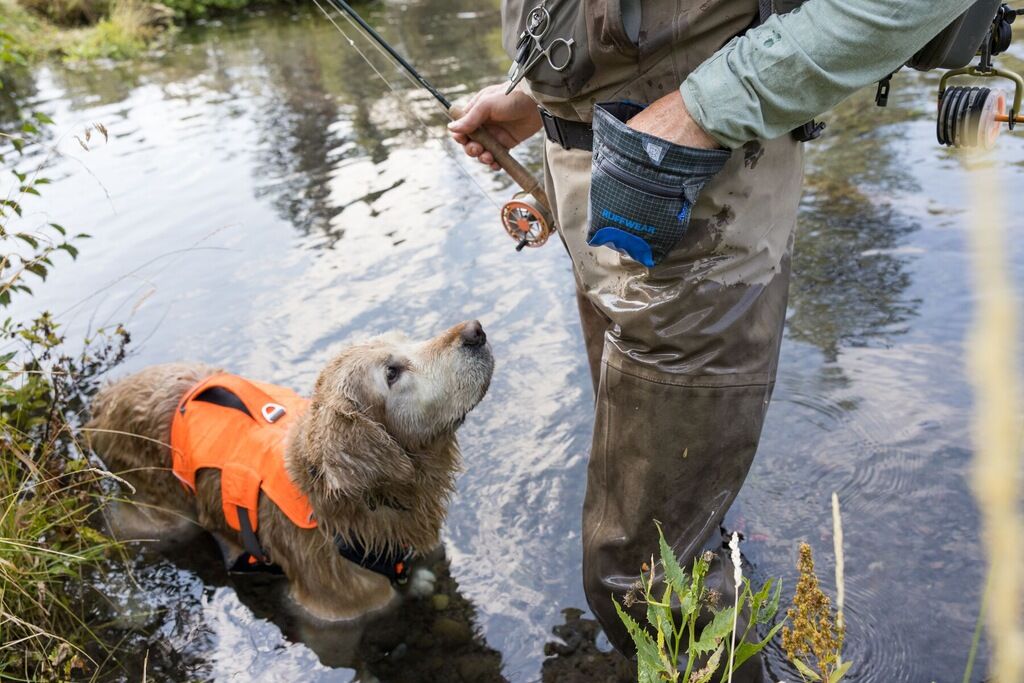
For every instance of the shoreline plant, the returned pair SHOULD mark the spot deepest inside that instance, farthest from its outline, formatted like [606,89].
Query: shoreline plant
[50,490]
[85,30]
[717,648]
[814,643]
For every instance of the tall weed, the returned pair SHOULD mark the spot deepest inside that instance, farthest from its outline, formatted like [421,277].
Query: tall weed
[49,489]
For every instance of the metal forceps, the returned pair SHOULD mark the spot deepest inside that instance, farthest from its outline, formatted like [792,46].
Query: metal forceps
[558,52]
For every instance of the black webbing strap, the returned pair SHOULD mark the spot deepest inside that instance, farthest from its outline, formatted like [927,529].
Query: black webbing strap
[568,134]
[222,397]
[394,565]
[249,539]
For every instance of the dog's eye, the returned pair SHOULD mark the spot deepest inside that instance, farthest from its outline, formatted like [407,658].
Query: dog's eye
[393,373]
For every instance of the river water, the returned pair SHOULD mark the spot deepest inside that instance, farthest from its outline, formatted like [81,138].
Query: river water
[263,198]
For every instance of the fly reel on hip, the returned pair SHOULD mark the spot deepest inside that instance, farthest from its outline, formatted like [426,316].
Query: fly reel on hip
[971,116]
[526,221]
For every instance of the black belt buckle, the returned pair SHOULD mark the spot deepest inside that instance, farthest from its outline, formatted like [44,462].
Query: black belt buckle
[552,128]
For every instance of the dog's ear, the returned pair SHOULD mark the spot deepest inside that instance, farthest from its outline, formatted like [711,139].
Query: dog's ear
[350,453]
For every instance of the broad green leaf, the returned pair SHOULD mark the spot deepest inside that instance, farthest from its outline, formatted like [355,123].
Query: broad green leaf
[648,661]
[37,269]
[838,674]
[806,670]
[713,633]
[769,611]
[688,604]
[27,239]
[746,650]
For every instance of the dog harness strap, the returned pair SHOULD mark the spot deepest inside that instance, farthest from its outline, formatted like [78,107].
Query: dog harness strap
[394,565]
[250,541]
[240,427]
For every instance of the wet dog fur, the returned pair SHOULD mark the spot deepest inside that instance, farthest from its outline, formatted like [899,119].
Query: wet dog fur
[375,453]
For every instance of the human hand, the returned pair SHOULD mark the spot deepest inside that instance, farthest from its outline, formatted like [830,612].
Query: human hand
[667,118]
[510,118]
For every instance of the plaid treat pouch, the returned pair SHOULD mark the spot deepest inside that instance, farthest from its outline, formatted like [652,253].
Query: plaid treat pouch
[643,188]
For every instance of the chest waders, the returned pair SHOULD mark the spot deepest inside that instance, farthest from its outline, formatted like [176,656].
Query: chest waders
[682,354]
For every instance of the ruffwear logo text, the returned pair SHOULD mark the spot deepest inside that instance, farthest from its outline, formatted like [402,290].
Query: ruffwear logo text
[629,223]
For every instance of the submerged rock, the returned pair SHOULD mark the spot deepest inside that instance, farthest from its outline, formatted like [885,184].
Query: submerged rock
[452,632]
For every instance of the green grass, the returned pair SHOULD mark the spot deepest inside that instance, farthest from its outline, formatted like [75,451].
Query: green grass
[123,34]
[193,9]
[34,35]
[47,549]
[68,12]
[101,29]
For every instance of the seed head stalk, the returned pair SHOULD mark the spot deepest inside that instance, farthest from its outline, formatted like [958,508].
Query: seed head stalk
[837,542]
[737,576]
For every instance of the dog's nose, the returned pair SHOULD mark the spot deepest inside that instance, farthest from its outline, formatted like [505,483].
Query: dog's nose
[473,334]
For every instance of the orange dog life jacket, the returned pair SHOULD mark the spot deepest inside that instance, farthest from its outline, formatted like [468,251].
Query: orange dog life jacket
[239,427]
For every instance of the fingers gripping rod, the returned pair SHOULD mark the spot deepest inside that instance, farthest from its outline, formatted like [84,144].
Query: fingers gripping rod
[519,173]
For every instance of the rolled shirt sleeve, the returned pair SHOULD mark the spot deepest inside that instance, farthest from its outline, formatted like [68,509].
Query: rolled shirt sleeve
[795,66]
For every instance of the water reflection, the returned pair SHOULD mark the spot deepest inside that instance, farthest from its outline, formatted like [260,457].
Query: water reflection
[193,605]
[323,108]
[299,140]
[850,278]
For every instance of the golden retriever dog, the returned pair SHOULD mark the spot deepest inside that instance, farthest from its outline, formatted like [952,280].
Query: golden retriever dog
[374,453]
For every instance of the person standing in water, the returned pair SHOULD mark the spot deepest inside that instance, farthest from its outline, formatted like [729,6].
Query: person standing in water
[679,219]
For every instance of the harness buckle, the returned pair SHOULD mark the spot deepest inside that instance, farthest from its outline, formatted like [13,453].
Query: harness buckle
[272,412]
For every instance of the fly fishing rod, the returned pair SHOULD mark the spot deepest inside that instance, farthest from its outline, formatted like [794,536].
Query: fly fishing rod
[527,216]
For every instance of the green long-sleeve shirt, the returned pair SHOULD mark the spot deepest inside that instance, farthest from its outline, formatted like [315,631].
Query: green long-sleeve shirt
[795,66]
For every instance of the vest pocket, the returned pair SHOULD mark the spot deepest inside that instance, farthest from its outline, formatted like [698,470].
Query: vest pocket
[643,188]
[608,24]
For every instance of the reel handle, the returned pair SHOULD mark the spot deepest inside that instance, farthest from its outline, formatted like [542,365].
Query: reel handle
[522,177]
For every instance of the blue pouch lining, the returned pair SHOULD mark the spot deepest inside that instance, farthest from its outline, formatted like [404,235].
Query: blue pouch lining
[625,243]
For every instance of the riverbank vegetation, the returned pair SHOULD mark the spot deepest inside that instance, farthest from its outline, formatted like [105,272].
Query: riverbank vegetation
[98,29]
[669,637]
[50,489]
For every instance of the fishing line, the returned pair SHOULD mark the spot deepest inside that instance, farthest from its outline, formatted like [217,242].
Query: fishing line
[423,124]
[390,58]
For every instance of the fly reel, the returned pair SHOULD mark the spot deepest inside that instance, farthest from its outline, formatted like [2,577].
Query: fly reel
[526,221]
[971,116]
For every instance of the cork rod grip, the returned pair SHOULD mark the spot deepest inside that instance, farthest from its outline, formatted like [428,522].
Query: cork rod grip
[522,177]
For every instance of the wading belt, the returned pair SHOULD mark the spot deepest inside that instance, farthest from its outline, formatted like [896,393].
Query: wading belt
[568,134]
[240,427]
